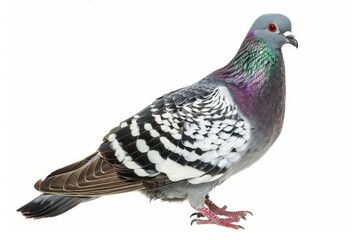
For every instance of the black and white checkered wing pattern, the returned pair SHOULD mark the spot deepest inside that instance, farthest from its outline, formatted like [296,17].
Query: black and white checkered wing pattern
[194,134]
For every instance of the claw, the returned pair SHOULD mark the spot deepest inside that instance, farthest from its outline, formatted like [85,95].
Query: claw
[197,214]
[249,213]
[192,221]
[243,217]
[239,226]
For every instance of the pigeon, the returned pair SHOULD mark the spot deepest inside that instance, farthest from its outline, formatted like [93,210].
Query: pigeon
[188,141]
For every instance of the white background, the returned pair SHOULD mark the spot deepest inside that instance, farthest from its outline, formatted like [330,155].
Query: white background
[72,70]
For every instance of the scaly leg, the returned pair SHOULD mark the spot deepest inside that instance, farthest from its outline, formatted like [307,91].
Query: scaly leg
[212,212]
[212,218]
[222,211]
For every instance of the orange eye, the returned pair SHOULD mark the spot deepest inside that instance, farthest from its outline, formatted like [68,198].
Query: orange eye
[272,27]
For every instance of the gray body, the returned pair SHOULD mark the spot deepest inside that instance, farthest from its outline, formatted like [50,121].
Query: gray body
[190,140]
[266,127]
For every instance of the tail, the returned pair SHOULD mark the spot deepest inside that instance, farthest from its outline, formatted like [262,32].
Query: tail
[49,205]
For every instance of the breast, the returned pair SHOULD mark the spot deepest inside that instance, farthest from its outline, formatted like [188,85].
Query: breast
[264,109]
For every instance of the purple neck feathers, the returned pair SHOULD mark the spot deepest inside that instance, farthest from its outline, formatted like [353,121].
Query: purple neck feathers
[256,79]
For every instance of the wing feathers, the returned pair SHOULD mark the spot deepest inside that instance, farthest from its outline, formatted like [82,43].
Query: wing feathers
[175,134]
[195,134]
[72,167]
[95,178]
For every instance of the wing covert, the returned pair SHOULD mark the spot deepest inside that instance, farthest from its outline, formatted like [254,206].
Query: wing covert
[194,134]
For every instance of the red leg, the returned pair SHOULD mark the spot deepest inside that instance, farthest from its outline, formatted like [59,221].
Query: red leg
[212,214]
[222,211]
[215,219]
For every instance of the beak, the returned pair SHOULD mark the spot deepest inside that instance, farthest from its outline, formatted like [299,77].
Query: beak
[291,39]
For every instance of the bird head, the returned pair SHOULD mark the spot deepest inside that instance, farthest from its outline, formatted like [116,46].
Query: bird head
[274,29]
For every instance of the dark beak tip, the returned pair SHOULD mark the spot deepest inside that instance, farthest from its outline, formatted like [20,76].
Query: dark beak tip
[293,42]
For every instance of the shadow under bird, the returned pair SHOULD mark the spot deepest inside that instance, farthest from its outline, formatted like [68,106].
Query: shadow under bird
[187,141]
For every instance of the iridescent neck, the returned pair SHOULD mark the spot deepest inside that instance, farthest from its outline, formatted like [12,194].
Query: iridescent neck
[255,77]
[253,63]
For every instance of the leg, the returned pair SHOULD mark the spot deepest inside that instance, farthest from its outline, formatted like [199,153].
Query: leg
[222,211]
[215,219]
[212,212]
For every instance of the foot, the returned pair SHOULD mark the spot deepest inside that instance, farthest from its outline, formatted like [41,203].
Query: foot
[222,210]
[212,212]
